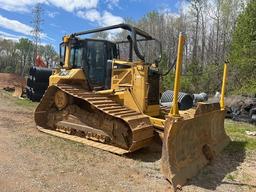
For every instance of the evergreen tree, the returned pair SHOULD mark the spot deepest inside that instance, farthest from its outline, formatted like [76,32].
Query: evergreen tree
[243,51]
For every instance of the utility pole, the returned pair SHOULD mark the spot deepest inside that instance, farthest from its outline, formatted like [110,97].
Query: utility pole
[37,31]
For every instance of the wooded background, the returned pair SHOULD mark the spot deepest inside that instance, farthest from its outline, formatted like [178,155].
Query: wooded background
[18,57]
[216,30]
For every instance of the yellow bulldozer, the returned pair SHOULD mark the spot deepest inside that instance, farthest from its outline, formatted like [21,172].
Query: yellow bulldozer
[110,103]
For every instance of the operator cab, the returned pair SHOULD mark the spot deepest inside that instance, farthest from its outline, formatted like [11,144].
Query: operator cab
[92,56]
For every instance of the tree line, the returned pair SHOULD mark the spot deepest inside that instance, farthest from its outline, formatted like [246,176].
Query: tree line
[18,57]
[216,31]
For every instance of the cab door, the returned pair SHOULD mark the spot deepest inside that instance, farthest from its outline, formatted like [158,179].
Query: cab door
[96,63]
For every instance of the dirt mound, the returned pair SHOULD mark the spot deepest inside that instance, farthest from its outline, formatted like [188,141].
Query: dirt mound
[12,82]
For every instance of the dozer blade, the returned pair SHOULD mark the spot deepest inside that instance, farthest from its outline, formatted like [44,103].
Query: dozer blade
[192,141]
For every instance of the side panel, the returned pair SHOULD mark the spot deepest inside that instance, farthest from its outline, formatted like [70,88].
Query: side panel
[132,79]
[73,76]
[140,86]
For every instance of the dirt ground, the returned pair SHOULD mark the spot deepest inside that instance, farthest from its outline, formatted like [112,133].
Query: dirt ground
[11,80]
[33,161]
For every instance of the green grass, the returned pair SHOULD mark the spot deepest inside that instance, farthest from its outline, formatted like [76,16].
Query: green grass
[22,102]
[25,103]
[240,139]
[230,177]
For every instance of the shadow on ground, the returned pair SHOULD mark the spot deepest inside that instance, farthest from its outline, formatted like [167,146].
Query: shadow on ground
[228,161]
[151,153]
[210,176]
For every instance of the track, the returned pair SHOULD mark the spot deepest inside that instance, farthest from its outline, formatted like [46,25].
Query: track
[107,121]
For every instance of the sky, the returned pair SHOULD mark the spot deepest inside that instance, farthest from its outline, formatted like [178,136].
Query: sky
[62,17]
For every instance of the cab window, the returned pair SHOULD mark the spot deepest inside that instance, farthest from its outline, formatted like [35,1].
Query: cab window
[62,53]
[96,62]
[76,57]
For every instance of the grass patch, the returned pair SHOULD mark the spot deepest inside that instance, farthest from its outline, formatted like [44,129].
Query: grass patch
[22,102]
[230,177]
[240,139]
[25,103]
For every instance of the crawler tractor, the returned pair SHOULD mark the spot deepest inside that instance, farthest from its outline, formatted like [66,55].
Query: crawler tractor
[101,100]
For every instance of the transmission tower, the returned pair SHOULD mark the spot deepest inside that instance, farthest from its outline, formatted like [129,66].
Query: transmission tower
[37,31]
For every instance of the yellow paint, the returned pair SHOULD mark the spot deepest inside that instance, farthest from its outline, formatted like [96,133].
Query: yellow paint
[120,94]
[121,78]
[131,102]
[108,91]
[66,39]
[67,52]
[139,86]
[157,122]
[175,110]
[118,97]
[223,87]
[122,62]
[67,76]
[133,81]
[67,57]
